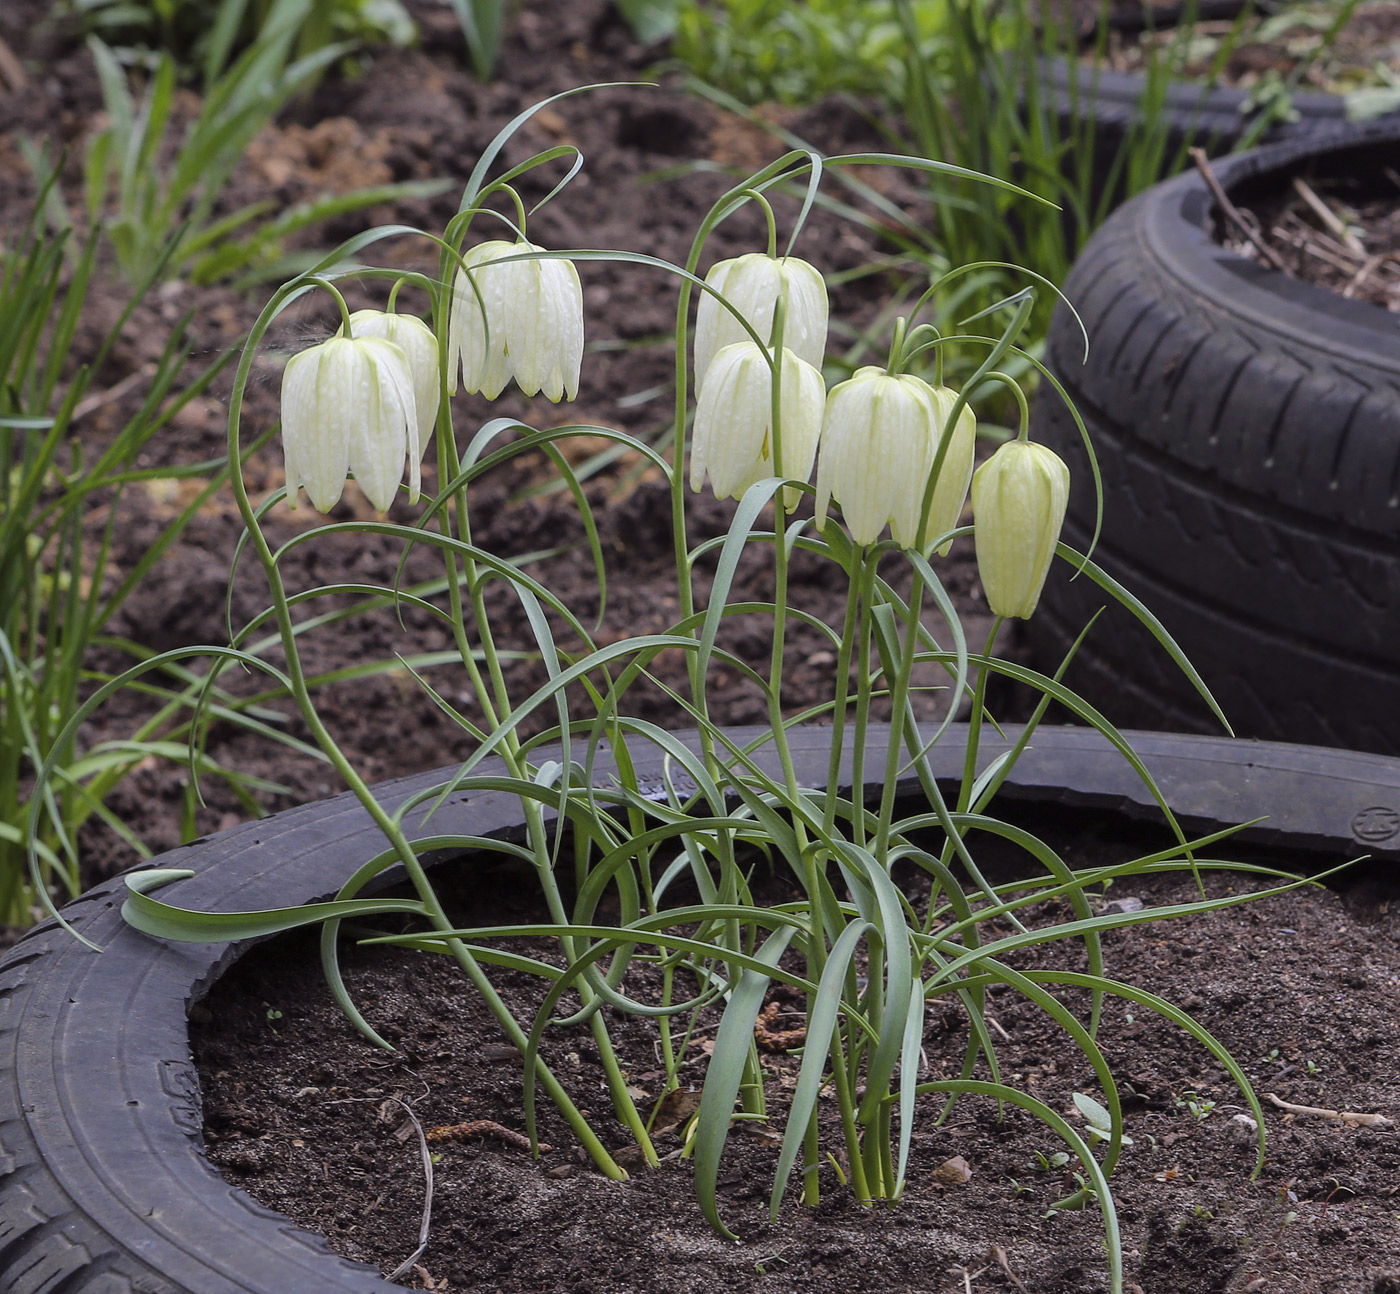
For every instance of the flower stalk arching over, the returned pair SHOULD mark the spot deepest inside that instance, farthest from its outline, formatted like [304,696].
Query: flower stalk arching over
[1019,496]
[733,441]
[348,406]
[753,285]
[522,319]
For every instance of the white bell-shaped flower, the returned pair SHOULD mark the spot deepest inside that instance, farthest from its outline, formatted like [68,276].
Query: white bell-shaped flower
[877,448]
[752,284]
[521,320]
[347,406]
[954,476]
[1019,497]
[420,348]
[732,440]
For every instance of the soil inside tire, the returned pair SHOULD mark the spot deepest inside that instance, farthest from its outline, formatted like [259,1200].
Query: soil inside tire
[1341,233]
[1304,989]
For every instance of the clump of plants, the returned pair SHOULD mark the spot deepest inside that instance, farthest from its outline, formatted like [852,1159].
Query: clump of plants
[893,451]
[62,492]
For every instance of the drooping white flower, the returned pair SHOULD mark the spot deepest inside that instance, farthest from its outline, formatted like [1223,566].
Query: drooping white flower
[752,284]
[347,406]
[412,336]
[955,474]
[1019,497]
[733,438]
[877,447]
[521,320]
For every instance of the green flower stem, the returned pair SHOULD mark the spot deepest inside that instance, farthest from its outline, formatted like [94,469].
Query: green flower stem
[894,364]
[862,723]
[538,836]
[509,189]
[757,196]
[974,731]
[875,1155]
[899,697]
[751,1087]
[842,699]
[974,734]
[846,1104]
[340,302]
[668,1050]
[1024,431]
[811,1160]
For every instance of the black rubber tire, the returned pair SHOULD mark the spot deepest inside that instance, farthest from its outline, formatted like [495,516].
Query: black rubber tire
[1248,430]
[104,1186]
[1216,118]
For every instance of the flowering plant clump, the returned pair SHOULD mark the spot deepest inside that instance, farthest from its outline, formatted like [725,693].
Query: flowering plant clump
[893,450]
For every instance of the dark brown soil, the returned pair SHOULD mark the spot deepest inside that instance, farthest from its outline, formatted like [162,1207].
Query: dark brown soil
[1304,989]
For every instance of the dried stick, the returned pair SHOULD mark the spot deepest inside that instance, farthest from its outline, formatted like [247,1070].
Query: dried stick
[1351,1119]
[1328,217]
[426,1224]
[1232,212]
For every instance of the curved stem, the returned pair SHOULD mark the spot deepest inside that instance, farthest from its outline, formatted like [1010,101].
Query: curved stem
[894,365]
[344,318]
[768,215]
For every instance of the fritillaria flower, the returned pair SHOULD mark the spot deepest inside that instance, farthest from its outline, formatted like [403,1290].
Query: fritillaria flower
[348,406]
[877,448]
[521,320]
[955,474]
[1018,503]
[412,336]
[752,284]
[733,437]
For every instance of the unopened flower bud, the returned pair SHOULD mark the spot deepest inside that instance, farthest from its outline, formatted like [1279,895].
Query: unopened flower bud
[733,435]
[752,284]
[347,406]
[1019,497]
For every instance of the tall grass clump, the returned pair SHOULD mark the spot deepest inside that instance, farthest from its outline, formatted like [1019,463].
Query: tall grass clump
[61,493]
[157,172]
[205,37]
[654,875]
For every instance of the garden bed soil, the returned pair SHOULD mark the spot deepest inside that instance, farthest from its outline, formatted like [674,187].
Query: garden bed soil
[1303,988]
[418,114]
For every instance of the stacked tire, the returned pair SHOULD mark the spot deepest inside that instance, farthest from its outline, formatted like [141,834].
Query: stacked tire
[1247,427]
